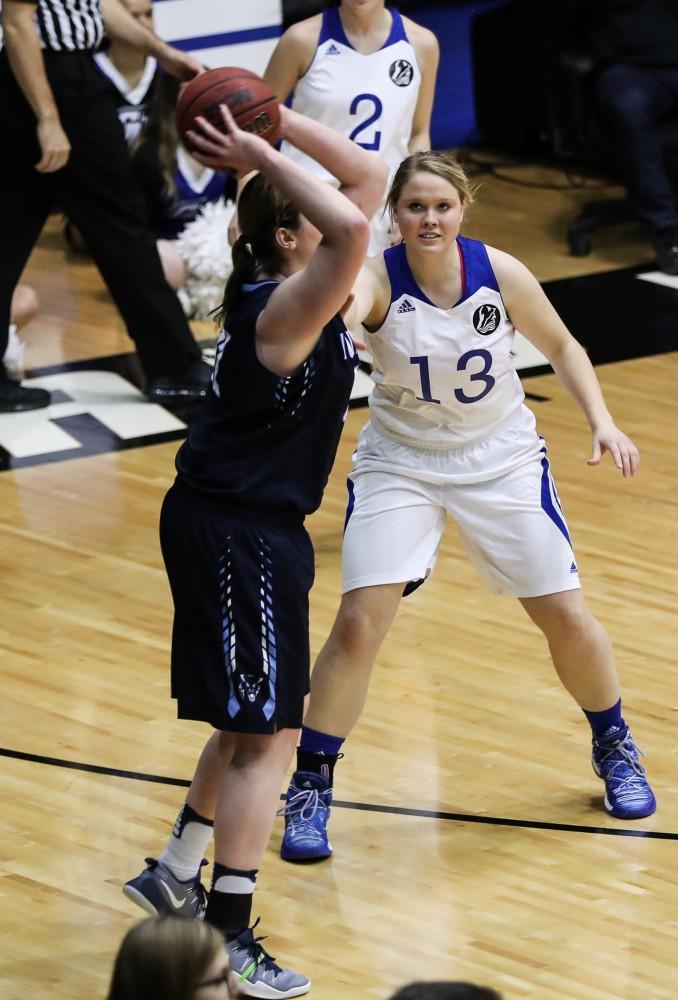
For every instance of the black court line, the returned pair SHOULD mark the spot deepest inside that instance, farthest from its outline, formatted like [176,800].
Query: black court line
[358,806]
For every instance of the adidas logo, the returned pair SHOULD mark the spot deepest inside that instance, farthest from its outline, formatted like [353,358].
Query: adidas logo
[332,50]
[405,307]
[573,568]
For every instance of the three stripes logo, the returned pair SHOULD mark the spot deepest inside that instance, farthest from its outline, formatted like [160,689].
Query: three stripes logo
[405,307]
[332,50]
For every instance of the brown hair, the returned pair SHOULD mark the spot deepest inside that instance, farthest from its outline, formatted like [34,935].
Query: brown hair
[160,128]
[431,162]
[262,210]
[164,958]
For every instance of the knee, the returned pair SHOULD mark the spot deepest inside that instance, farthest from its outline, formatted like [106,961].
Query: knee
[172,264]
[354,630]
[25,305]
[571,622]
[622,99]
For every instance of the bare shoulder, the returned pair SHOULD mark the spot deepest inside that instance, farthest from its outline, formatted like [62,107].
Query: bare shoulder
[504,265]
[424,42]
[302,37]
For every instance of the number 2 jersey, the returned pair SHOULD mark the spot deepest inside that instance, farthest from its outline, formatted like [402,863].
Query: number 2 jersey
[368,98]
[445,378]
[264,442]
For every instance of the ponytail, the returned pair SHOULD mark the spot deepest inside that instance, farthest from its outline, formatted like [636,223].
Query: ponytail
[262,210]
[245,268]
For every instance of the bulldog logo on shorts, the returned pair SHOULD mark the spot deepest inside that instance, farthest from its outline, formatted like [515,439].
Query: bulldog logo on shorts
[486,319]
[401,72]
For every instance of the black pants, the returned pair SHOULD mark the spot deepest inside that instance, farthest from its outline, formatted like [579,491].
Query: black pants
[97,190]
[633,101]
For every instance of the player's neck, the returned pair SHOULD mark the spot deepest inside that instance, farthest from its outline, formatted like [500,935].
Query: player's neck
[438,276]
[366,32]
[128,61]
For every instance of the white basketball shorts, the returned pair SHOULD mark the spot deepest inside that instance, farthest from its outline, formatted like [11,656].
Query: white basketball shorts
[512,525]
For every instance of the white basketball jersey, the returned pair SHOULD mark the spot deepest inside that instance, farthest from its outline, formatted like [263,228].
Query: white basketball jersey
[445,378]
[368,98]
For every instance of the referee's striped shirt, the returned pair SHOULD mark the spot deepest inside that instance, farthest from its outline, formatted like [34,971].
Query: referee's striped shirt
[70,25]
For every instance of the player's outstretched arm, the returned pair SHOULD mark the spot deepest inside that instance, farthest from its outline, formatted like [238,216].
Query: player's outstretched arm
[532,314]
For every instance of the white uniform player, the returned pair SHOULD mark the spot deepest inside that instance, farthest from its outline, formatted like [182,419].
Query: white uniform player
[374,98]
[449,432]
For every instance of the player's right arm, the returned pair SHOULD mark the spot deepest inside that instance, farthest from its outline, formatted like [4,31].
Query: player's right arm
[292,57]
[28,66]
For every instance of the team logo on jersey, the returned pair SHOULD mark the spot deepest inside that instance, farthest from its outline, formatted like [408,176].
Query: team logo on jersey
[332,50]
[405,307]
[401,72]
[249,687]
[486,319]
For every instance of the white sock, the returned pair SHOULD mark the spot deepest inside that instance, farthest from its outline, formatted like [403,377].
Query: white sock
[187,844]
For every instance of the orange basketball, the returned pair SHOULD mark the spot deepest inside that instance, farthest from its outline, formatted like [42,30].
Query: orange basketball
[250,100]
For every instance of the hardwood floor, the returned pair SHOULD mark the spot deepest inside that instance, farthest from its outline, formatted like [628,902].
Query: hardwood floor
[469,836]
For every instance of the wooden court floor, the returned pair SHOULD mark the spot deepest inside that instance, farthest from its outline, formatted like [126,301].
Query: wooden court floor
[469,836]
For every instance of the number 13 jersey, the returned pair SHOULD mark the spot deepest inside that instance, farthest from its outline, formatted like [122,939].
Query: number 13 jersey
[445,378]
[368,98]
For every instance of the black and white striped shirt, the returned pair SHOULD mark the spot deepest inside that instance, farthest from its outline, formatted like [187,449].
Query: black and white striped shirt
[70,25]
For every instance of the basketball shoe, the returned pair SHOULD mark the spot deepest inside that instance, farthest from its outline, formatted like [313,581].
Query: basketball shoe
[615,759]
[156,890]
[306,812]
[258,975]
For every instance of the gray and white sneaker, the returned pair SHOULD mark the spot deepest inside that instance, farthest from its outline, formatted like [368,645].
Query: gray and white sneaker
[257,973]
[157,890]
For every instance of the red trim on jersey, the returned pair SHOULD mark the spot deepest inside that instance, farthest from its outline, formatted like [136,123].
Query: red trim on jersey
[462,271]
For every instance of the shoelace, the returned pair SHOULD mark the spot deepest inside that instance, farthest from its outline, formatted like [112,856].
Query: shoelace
[259,956]
[627,785]
[302,806]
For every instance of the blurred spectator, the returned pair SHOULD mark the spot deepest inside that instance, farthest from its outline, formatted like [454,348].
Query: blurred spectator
[62,144]
[444,990]
[636,43]
[177,189]
[166,958]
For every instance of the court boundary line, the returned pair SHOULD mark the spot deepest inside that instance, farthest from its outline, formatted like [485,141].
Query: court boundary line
[358,806]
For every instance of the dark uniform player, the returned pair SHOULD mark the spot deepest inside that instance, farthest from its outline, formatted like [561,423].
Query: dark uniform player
[238,557]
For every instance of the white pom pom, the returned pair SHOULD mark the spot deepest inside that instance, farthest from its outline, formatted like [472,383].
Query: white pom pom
[203,245]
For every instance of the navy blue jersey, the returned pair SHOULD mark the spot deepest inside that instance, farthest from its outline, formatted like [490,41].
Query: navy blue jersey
[263,441]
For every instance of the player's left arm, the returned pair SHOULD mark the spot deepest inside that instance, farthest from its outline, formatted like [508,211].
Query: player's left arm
[532,313]
[425,45]
[124,27]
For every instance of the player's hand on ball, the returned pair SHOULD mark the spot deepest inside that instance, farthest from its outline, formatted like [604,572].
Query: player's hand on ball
[227,147]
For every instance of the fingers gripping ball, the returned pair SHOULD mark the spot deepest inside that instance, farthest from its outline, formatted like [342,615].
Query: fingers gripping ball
[250,100]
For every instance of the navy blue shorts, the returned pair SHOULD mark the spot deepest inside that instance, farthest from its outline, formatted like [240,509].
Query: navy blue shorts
[240,585]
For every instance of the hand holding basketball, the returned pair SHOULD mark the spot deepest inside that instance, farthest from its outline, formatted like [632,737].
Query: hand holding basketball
[252,104]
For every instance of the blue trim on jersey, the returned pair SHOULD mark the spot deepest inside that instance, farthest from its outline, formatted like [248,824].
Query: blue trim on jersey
[547,503]
[351,501]
[400,276]
[331,29]
[253,285]
[477,268]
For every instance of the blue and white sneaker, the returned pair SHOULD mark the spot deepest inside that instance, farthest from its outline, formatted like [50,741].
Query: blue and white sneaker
[306,812]
[615,759]
[258,975]
[157,890]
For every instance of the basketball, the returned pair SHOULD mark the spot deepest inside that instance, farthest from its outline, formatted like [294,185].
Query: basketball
[250,100]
